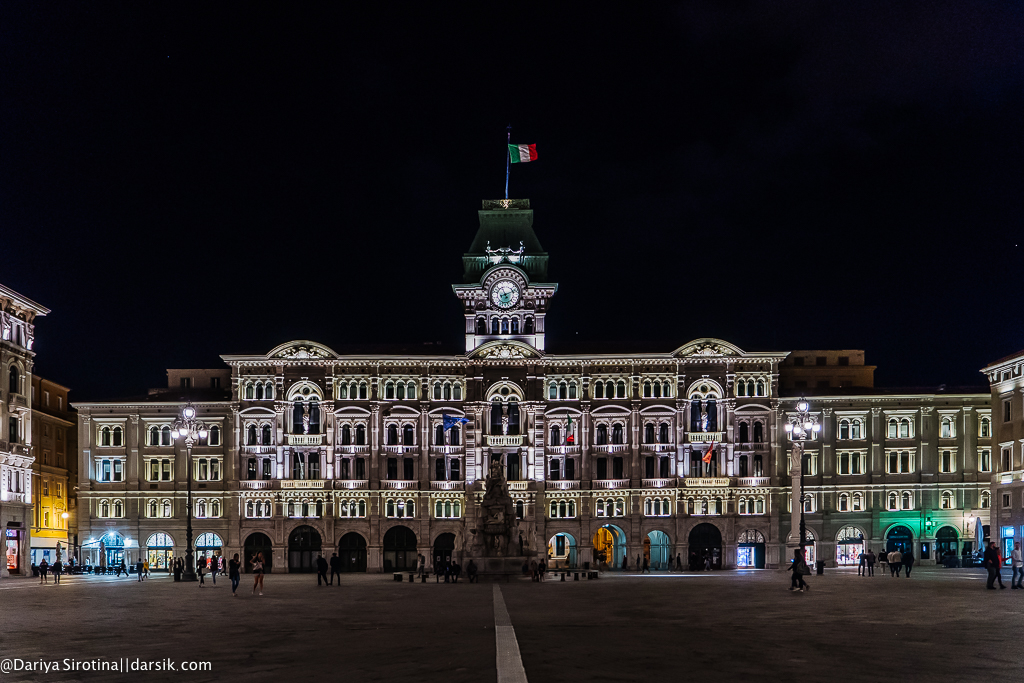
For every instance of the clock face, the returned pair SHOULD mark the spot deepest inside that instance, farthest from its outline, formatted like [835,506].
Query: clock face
[505,294]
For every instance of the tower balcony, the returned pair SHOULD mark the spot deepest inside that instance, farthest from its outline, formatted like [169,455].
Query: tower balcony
[563,450]
[659,483]
[352,450]
[658,447]
[302,483]
[401,449]
[447,485]
[399,484]
[611,483]
[505,440]
[447,450]
[610,448]
[706,437]
[562,484]
[259,450]
[306,439]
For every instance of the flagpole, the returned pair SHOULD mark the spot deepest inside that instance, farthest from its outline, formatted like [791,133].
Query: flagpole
[508,157]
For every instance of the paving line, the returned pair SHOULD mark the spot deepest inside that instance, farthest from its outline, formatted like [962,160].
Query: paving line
[509,661]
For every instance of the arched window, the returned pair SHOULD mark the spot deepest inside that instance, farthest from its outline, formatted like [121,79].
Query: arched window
[858,502]
[602,435]
[573,394]
[528,326]
[947,430]
[167,508]
[552,391]
[250,393]
[648,507]
[266,434]
[455,436]
[400,391]
[760,388]
[410,508]
[744,432]
[743,506]
[504,325]
[986,428]
[647,389]
[268,392]
[494,325]
[165,436]
[214,439]
[649,433]
[250,509]
[439,435]
[663,433]
[259,392]
[758,432]
[844,429]
[620,389]
[456,392]
[392,435]
[118,508]
[104,508]
[215,508]
[361,435]
[666,389]
[617,433]
[844,502]
[758,466]
[657,390]
[947,500]
[389,508]
[598,389]
[743,465]
[905,431]
[985,502]
[410,391]
[250,435]
[362,390]
[407,435]
[741,387]
[556,436]
[13,380]
[520,509]
[563,392]
[892,500]
[154,436]
[389,390]
[343,391]
[855,429]
[447,391]
[152,508]
[907,501]
[118,436]
[894,427]
[718,505]
[437,391]
[620,507]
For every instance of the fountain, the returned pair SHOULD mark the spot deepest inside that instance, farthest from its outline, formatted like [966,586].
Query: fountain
[492,547]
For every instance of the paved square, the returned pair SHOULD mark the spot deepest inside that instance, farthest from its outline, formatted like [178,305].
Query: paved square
[938,625]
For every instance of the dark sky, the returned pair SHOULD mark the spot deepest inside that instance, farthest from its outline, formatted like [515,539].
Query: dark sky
[178,182]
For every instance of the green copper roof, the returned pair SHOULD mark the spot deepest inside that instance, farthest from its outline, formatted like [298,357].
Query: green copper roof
[506,224]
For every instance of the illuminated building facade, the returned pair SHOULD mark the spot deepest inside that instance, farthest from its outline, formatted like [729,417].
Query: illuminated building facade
[609,457]
[1006,379]
[54,469]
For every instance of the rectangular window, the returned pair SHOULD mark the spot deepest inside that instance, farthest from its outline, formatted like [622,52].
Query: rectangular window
[602,468]
[1006,463]
[12,429]
[46,519]
[46,399]
[1006,501]
[154,470]
[360,468]
[60,403]
[186,382]
[215,382]
[844,360]
[905,461]
[407,469]
[46,488]
[392,468]
[266,468]
[215,469]
[985,460]
[617,467]
[118,470]
[844,463]
[821,360]
[947,462]
[1006,410]
[165,465]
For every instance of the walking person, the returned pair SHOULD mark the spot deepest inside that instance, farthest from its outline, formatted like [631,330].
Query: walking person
[200,569]
[44,566]
[471,571]
[895,562]
[234,574]
[908,561]
[862,565]
[138,570]
[871,562]
[257,570]
[679,562]
[336,568]
[883,560]
[214,568]
[646,567]
[800,570]
[145,567]
[1017,563]
[421,566]
[321,570]
[58,567]
[993,563]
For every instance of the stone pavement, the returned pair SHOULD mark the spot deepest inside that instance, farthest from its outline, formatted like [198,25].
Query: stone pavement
[939,625]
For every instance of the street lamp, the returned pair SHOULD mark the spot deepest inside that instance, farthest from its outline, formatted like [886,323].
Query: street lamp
[189,429]
[801,427]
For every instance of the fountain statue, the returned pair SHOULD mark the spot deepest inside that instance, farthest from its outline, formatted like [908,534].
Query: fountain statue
[497,521]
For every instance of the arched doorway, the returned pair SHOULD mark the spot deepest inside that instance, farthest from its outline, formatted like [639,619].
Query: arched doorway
[352,552]
[304,546]
[258,543]
[159,549]
[610,546]
[899,537]
[208,545]
[750,549]
[399,549]
[444,551]
[562,552]
[112,549]
[946,541]
[705,544]
[849,546]
[657,550]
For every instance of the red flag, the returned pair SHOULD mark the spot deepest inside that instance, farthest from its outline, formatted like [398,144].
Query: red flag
[707,456]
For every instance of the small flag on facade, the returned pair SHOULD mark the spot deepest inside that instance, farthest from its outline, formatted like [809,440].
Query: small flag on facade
[522,153]
[707,456]
[569,438]
[450,421]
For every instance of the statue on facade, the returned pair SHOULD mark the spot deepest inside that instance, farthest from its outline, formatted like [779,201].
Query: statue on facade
[703,418]
[497,519]
[305,420]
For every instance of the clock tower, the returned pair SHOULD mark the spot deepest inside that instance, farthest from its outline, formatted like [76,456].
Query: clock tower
[504,295]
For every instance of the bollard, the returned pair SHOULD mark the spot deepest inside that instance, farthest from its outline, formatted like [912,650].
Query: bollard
[397,576]
[576,576]
[423,578]
[563,577]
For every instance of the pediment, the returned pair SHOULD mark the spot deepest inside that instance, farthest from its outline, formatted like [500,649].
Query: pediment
[502,349]
[302,350]
[708,347]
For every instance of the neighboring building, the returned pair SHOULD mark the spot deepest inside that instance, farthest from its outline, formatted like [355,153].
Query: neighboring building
[17,335]
[1006,378]
[314,451]
[54,472]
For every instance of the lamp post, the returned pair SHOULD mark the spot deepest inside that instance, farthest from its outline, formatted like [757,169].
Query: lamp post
[802,426]
[189,429]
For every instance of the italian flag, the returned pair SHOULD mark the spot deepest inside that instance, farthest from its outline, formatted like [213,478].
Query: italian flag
[522,153]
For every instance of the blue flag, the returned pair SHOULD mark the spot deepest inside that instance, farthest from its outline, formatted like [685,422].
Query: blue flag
[450,421]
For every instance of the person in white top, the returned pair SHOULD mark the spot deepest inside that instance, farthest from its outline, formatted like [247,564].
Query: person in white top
[1018,567]
[895,562]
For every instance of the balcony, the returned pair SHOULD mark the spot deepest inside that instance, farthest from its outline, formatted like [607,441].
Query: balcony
[563,450]
[611,483]
[705,482]
[753,481]
[351,484]
[706,437]
[517,485]
[563,485]
[447,450]
[751,446]
[351,450]
[17,402]
[610,448]
[12,497]
[399,484]
[259,450]
[400,449]
[302,483]
[505,440]
[256,484]
[447,485]
[662,483]
[658,447]
[305,439]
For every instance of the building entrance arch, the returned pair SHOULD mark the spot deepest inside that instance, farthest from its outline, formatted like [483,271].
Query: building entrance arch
[562,551]
[159,549]
[610,547]
[208,547]
[444,551]
[750,547]
[900,537]
[849,546]
[705,546]
[304,546]
[946,542]
[258,543]
[352,552]
[657,550]
[399,549]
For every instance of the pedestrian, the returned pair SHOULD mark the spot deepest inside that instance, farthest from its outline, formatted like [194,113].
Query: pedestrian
[1017,562]
[456,570]
[201,570]
[138,570]
[421,566]
[883,560]
[58,567]
[908,561]
[321,570]
[123,568]
[44,566]
[177,569]
[638,564]
[625,563]
[533,570]
[257,570]
[214,568]
[679,562]
[862,564]
[233,566]
[895,562]
[800,570]
[145,566]
[336,568]
[646,567]
[871,562]
[993,563]
[541,568]
[471,571]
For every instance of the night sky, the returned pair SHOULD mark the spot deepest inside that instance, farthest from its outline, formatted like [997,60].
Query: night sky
[179,182]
